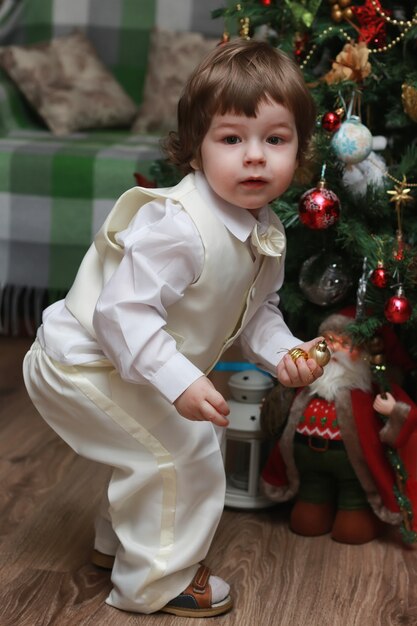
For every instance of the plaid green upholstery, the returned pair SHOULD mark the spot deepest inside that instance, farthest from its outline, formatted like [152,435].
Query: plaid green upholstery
[118,29]
[56,192]
[54,195]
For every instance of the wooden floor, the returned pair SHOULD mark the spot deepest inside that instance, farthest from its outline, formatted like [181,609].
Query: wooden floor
[48,498]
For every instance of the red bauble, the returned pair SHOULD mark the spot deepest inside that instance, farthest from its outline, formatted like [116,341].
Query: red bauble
[319,207]
[266,3]
[300,43]
[398,309]
[331,121]
[380,276]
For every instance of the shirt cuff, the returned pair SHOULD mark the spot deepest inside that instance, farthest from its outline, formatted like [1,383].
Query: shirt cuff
[175,376]
[273,355]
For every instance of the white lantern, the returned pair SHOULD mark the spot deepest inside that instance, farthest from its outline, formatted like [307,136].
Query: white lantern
[245,447]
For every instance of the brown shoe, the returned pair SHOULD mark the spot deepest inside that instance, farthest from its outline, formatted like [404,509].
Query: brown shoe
[356,527]
[310,519]
[195,601]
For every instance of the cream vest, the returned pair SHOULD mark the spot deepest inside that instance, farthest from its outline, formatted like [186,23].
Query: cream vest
[215,308]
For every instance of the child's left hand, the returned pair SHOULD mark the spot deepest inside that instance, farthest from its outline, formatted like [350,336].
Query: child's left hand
[301,372]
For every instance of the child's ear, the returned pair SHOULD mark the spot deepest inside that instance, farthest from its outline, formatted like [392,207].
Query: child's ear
[195,164]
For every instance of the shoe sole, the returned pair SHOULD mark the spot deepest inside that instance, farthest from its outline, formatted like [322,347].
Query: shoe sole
[216,609]
[103,561]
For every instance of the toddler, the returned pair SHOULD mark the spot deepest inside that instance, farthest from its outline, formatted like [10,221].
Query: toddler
[173,278]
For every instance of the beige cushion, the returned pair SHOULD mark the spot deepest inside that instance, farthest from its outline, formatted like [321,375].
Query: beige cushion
[172,58]
[68,85]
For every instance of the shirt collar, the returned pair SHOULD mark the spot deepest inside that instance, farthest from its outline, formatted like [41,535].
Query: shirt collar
[237,220]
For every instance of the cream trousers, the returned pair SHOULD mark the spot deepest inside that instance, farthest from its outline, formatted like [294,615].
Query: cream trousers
[166,492]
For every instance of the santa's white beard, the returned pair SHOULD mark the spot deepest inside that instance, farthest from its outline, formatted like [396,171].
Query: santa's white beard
[340,372]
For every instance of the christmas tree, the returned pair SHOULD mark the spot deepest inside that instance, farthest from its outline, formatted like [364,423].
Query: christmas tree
[351,216]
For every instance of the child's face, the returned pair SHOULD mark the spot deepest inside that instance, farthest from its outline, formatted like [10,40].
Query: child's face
[249,161]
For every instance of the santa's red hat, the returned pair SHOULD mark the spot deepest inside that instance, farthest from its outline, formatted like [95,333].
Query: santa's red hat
[337,322]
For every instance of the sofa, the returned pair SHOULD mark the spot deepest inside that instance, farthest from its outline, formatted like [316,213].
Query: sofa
[87,89]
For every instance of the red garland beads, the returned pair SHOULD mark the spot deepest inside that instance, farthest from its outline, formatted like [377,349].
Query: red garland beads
[331,121]
[398,309]
[319,207]
[380,277]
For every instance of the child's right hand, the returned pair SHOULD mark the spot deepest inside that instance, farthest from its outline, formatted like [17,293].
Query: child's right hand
[202,402]
[301,372]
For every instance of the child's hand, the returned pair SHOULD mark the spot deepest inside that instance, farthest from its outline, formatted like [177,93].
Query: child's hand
[384,405]
[202,402]
[301,372]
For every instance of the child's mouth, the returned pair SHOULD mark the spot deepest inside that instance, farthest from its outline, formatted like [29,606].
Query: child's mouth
[253,183]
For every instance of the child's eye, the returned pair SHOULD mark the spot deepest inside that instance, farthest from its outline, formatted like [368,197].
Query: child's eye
[275,141]
[231,140]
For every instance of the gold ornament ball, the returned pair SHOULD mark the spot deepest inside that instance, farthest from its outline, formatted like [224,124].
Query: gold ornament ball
[409,99]
[344,3]
[347,13]
[336,14]
[320,353]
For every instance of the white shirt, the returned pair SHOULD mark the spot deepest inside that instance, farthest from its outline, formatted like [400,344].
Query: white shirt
[163,256]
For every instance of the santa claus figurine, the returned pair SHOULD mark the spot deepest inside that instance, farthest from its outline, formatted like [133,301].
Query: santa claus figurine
[331,456]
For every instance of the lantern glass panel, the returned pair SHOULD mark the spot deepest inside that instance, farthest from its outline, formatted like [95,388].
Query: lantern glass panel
[238,464]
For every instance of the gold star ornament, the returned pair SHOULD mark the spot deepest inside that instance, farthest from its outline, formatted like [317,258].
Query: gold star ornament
[400,193]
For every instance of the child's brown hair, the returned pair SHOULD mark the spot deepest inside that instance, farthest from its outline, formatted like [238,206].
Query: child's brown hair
[236,77]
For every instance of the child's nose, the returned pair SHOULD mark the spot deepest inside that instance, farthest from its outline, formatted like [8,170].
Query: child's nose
[254,152]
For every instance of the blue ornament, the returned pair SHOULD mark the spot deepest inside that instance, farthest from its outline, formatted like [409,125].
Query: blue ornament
[352,143]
